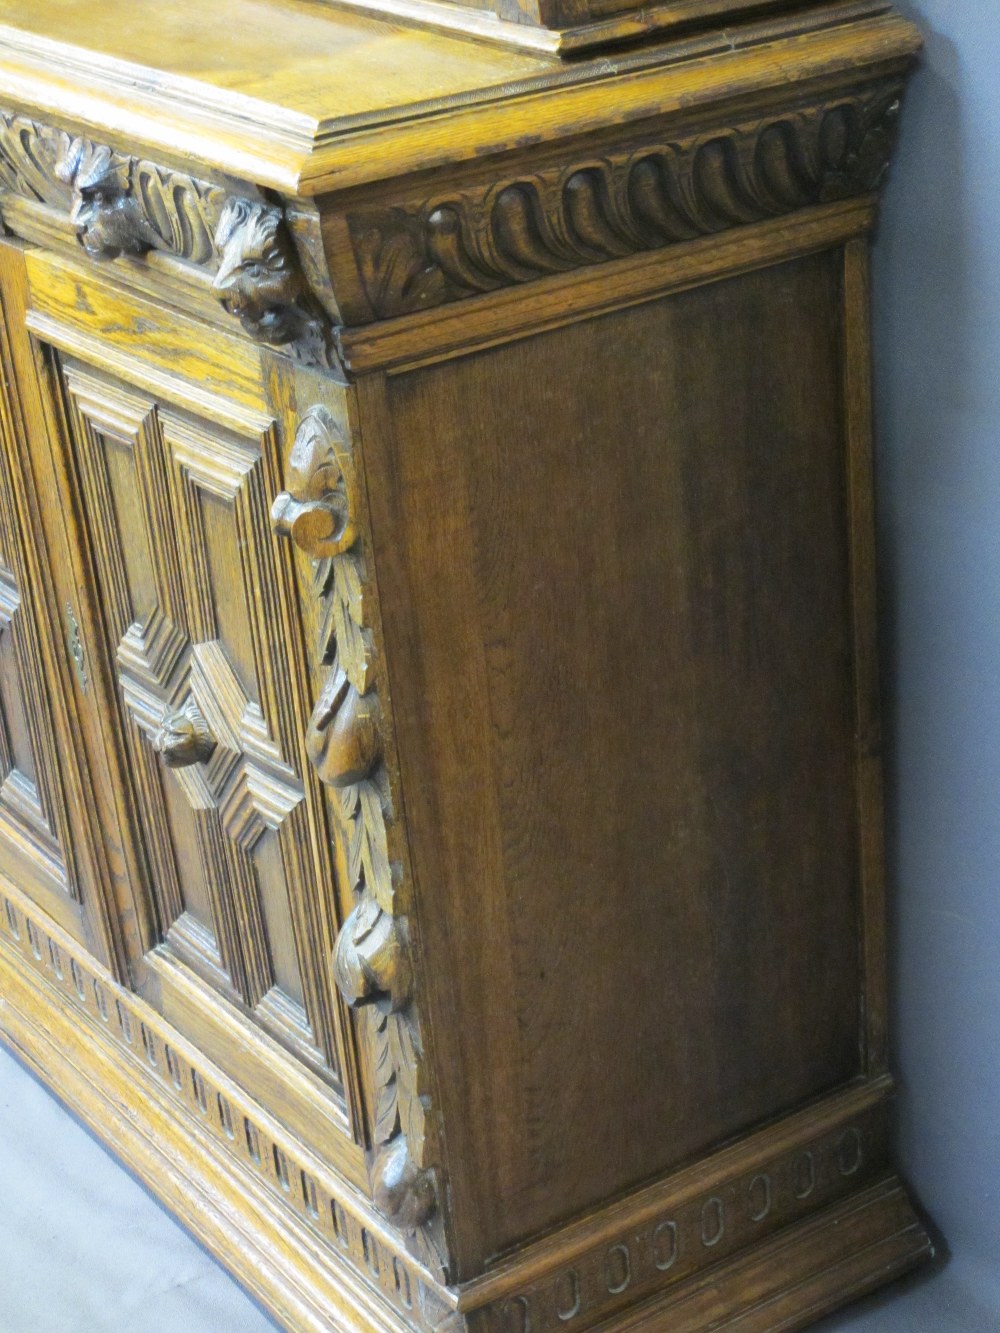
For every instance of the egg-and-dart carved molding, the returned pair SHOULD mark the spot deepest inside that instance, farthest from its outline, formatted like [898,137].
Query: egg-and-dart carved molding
[677,1242]
[517,229]
[124,205]
[371,961]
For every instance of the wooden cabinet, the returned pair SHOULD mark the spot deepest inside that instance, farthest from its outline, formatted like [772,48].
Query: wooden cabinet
[440,811]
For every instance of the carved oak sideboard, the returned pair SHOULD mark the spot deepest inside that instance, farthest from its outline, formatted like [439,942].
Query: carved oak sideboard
[440,811]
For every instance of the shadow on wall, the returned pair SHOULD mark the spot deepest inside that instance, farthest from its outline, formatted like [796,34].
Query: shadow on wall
[937,332]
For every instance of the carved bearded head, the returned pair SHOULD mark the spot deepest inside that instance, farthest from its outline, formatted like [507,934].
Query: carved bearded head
[259,279]
[108,219]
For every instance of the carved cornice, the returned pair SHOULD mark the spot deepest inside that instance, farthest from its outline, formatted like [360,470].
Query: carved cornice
[371,959]
[466,241]
[124,205]
[416,252]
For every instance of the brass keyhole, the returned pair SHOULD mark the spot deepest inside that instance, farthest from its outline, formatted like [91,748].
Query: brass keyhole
[74,643]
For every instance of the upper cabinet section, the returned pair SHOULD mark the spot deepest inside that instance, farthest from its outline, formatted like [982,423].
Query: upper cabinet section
[561,27]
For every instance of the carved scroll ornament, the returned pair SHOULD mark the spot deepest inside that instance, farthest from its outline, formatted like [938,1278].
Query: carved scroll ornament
[119,204]
[371,961]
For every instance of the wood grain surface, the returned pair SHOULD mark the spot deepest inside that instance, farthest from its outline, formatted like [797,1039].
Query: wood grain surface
[618,635]
[299,96]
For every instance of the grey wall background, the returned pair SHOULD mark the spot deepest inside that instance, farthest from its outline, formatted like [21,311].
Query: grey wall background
[937,329]
[937,323]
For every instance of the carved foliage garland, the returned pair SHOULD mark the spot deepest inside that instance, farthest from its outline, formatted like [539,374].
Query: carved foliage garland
[468,241]
[371,957]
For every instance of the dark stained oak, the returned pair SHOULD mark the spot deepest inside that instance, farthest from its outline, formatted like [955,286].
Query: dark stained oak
[617,624]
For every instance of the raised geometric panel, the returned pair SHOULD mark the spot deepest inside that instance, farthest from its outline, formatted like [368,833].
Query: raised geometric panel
[192,584]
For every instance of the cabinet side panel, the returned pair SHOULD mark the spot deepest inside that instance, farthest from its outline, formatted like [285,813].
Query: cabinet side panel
[613,569]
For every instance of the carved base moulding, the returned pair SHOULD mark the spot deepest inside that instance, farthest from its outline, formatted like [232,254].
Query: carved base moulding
[772,1233]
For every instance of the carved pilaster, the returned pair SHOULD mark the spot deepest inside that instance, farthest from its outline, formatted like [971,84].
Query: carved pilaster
[371,959]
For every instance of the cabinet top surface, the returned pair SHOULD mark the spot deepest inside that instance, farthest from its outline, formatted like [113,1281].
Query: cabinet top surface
[300,96]
[306,60]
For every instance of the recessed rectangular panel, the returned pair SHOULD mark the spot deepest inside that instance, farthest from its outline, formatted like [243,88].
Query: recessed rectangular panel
[28,824]
[617,620]
[33,822]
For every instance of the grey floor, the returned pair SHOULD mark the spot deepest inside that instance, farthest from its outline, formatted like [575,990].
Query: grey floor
[84,1249]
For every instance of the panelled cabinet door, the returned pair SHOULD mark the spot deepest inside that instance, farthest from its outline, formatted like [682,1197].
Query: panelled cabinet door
[205,690]
[30,832]
[39,781]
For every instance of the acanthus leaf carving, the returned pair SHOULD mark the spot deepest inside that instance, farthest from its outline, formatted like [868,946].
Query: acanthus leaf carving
[482,238]
[107,216]
[371,957]
[344,740]
[29,153]
[370,961]
[123,205]
[118,203]
[401,1189]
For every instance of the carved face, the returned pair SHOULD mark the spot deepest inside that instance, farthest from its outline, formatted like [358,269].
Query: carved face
[108,220]
[258,280]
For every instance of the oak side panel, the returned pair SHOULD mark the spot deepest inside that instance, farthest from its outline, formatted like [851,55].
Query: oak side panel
[614,577]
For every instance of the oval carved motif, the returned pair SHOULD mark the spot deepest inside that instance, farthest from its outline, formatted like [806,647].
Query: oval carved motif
[849,1152]
[618,1269]
[402,1280]
[517,1315]
[805,1175]
[759,1198]
[665,1246]
[713,1222]
[568,1296]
